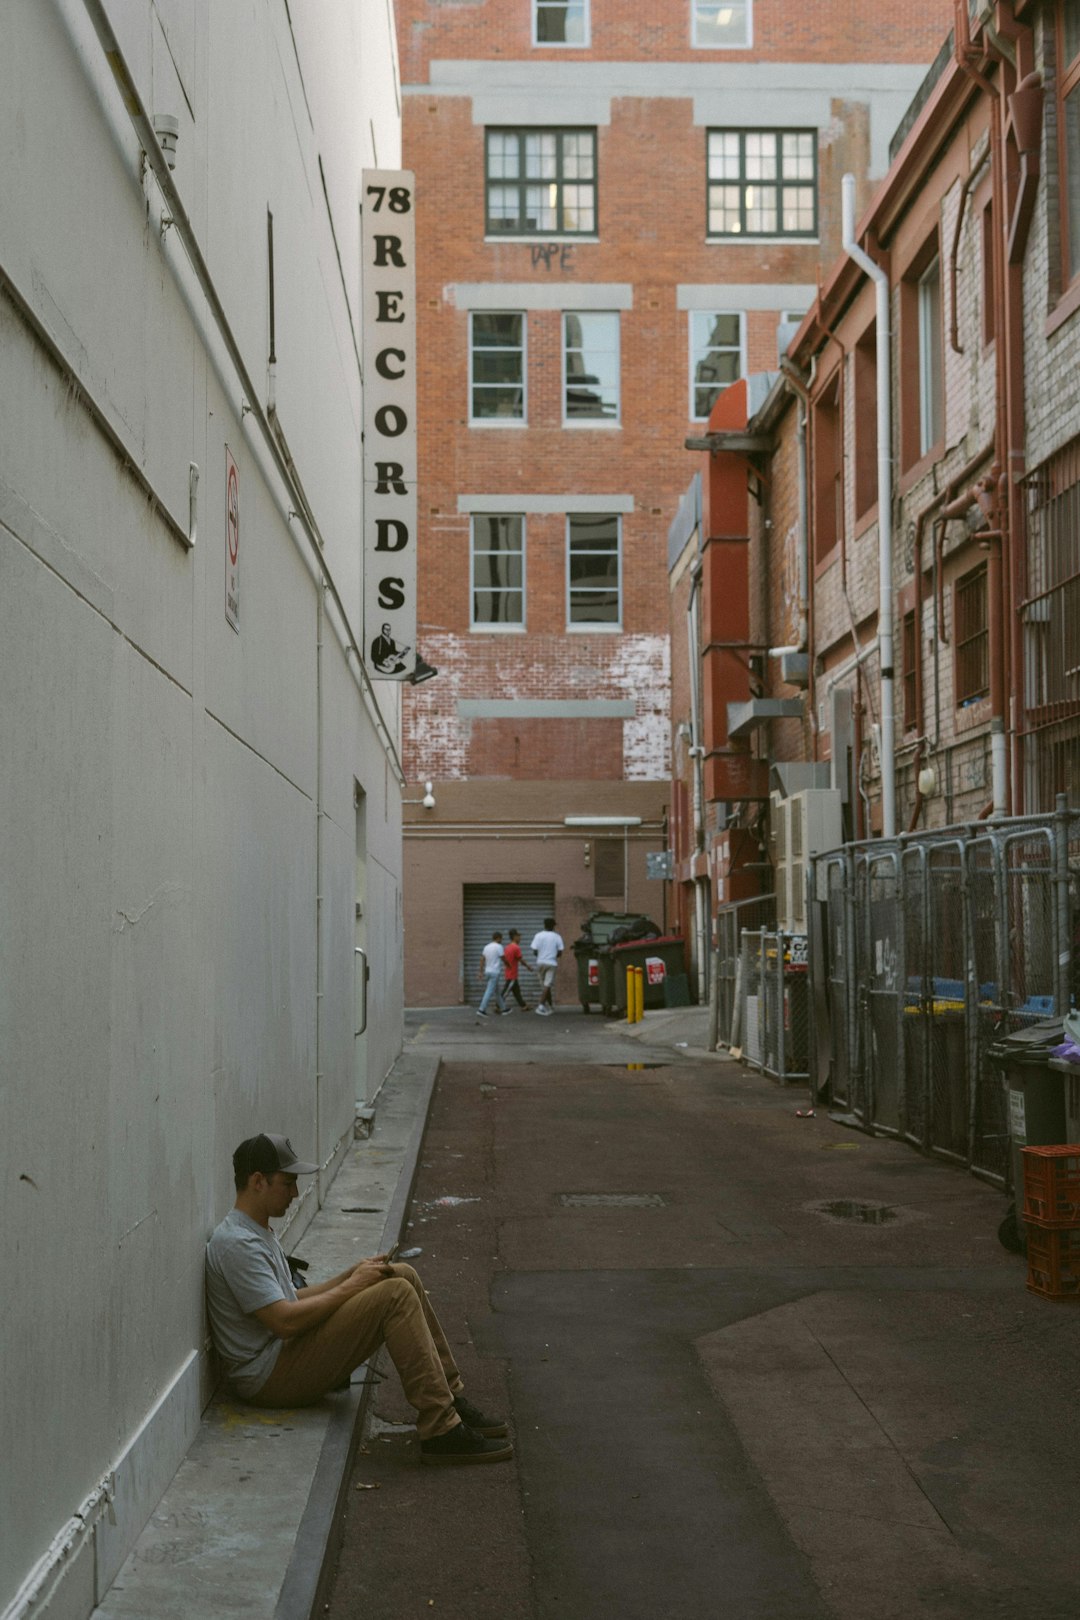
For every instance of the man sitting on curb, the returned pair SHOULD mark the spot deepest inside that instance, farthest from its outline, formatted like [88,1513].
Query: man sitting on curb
[284,1349]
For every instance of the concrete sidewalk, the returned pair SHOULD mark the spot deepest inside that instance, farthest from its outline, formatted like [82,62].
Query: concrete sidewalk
[247,1526]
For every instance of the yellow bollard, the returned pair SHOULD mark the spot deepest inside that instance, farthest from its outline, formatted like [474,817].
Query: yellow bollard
[639,987]
[631,996]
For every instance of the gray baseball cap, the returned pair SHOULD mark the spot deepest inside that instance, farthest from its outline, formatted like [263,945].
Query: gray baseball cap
[268,1154]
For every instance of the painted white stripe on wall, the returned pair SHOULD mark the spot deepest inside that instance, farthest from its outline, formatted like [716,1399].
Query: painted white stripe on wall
[553,709]
[545,504]
[768,295]
[540,295]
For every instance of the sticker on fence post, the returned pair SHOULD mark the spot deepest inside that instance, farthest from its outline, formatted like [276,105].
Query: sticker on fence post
[388,239]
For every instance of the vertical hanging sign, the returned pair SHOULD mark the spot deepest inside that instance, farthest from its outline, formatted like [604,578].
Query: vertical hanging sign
[388,239]
[232,541]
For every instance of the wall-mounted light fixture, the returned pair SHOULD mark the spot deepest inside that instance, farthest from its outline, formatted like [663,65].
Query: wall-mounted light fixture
[428,801]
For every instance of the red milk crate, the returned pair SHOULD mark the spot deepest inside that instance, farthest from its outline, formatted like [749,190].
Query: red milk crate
[1053,1259]
[1052,1186]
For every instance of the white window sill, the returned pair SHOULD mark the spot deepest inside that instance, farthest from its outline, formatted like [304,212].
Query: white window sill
[497,629]
[549,237]
[498,422]
[599,426]
[760,241]
[594,629]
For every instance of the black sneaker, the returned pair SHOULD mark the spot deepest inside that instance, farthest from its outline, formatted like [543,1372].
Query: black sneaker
[480,1014]
[492,1428]
[463,1445]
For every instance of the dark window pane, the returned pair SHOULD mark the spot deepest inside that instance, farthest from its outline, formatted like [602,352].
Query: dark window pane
[493,569]
[594,607]
[497,533]
[497,607]
[499,331]
[599,533]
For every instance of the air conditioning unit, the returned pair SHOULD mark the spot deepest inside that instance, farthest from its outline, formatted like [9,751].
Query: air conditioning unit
[804,825]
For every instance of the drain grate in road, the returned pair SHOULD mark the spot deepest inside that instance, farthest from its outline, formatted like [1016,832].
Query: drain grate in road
[853,1209]
[611,1200]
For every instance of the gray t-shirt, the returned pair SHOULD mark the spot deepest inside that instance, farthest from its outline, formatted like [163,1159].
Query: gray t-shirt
[245,1269]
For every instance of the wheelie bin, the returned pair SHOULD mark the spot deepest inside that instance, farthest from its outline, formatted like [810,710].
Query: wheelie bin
[1035,1095]
[660,958]
[595,933]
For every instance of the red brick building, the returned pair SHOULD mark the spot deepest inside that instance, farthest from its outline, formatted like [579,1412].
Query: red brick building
[614,217]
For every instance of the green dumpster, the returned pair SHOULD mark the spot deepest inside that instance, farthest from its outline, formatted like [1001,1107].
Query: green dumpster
[596,932]
[662,958]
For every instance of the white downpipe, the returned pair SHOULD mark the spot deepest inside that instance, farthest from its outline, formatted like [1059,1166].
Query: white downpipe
[885,537]
[802,519]
[999,776]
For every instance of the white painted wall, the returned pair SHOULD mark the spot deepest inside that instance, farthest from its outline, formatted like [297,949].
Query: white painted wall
[163,776]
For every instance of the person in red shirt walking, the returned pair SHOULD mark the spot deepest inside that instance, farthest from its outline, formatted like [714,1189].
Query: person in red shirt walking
[511,964]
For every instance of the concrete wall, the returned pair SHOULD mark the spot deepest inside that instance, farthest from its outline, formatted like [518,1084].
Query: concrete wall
[176,794]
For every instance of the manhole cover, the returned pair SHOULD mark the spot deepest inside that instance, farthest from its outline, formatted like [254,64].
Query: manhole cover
[611,1200]
[853,1209]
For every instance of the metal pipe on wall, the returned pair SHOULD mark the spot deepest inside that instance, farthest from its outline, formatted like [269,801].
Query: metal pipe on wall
[884,485]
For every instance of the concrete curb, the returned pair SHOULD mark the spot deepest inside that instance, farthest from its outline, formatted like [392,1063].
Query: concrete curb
[307,1578]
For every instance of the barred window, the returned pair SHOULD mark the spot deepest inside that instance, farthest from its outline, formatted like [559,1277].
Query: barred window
[762,182]
[541,182]
[972,637]
[911,653]
[1068,93]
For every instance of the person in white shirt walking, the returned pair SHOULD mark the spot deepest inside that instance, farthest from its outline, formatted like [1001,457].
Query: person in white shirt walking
[491,968]
[547,947]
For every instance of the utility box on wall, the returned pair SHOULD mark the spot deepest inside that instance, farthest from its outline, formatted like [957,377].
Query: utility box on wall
[802,826]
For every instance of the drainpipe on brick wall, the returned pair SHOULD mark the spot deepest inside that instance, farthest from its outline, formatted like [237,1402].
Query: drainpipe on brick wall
[697,758]
[802,536]
[885,538]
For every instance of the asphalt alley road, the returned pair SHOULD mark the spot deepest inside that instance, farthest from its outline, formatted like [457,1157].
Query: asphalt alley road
[726,1399]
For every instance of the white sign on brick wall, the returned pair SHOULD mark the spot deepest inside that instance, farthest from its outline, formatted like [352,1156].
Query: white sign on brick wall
[388,238]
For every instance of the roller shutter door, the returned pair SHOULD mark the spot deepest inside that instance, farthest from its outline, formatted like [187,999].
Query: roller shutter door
[504,906]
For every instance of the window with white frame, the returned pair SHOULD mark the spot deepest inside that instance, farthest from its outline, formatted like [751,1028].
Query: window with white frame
[498,571]
[591,366]
[593,571]
[762,182]
[716,357]
[722,24]
[560,22]
[931,359]
[541,181]
[497,366]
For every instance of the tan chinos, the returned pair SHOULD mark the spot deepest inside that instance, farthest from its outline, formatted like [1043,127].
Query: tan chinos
[395,1312]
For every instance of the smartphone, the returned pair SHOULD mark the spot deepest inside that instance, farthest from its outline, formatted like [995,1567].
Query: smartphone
[392,1251]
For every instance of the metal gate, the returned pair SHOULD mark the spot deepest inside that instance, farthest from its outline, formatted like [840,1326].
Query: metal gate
[502,906]
[880,991]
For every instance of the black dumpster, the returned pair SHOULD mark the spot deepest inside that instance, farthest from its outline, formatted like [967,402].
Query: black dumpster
[1035,1094]
[596,932]
[659,957]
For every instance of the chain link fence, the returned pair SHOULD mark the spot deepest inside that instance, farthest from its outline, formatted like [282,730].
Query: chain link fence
[923,951]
